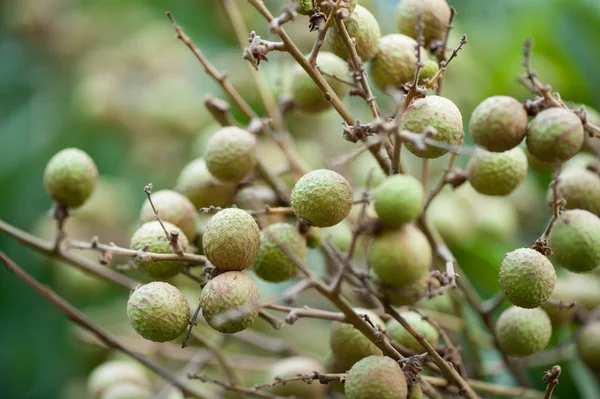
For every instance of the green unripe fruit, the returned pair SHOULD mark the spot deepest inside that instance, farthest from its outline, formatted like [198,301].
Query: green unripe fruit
[430,68]
[272,263]
[158,311]
[555,134]
[400,257]
[575,240]
[588,345]
[114,372]
[70,177]
[376,377]
[196,183]
[340,235]
[174,208]
[231,239]
[498,123]
[403,296]
[304,7]
[126,390]
[230,302]
[497,173]
[349,5]
[585,289]
[421,326]
[363,28]
[306,94]
[580,188]
[230,154]
[453,218]
[251,196]
[399,200]
[435,14]
[560,315]
[322,197]
[527,278]
[349,345]
[313,238]
[395,62]
[415,391]
[153,235]
[291,367]
[522,332]
[438,112]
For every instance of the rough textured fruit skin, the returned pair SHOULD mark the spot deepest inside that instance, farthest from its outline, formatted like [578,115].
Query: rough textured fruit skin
[575,240]
[398,200]
[400,257]
[323,197]
[303,7]
[158,311]
[230,154]
[555,134]
[70,177]
[349,345]
[174,208]
[126,390]
[435,13]
[438,112]
[580,188]
[421,326]
[497,173]
[196,183]
[376,377]
[291,367]
[428,71]
[588,345]
[306,94]
[272,264]
[114,372]
[405,295]
[498,124]
[363,28]
[527,278]
[229,302]
[231,240]
[522,332]
[152,233]
[350,5]
[395,61]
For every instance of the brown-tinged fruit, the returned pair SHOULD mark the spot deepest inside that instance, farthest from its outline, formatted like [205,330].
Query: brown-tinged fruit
[497,173]
[174,208]
[322,197]
[152,234]
[231,240]
[527,278]
[575,240]
[435,14]
[349,345]
[401,256]
[376,377]
[439,113]
[272,263]
[523,332]
[395,62]
[292,367]
[306,94]
[229,302]
[230,154]
[555,134]
[363,29]
[70,177]
[498,124]
[158,311]
[196,183]
[580,188]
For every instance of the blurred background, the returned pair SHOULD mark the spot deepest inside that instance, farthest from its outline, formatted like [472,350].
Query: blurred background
[109,77]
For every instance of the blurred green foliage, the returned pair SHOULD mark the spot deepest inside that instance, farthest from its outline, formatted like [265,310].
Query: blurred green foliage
[110,78]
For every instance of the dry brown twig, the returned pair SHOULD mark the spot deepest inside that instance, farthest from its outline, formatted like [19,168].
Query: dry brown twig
[551,380]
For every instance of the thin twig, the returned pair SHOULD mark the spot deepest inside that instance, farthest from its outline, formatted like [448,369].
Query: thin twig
[224,363]
[551,380]
[489,388]
[233,387]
